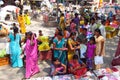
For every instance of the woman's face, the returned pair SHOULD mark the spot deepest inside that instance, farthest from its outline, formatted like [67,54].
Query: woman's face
[59,37]
[28,36]
[96,33]
[73,36]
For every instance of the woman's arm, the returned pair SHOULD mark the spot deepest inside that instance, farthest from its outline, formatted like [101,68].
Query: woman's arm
[64,68]
[102,45]
[70,45]
[54,47]
[32,40]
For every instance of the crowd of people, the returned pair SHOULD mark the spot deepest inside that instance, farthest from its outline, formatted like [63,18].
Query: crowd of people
[78,45]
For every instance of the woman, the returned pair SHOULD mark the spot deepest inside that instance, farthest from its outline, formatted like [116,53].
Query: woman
[66,33]
[31,55]
[44,48]
[27,18]
[100,46]
[62,22]
[72,46]
[77,67]
[14,39]
[59,48]
[21,23]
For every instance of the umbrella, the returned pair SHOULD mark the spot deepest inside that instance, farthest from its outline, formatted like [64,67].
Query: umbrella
[9,8]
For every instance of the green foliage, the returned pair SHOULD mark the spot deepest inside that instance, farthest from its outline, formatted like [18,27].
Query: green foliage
[2,53]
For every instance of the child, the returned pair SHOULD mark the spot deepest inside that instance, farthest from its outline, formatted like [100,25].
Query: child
[91,47]
[82,50]
[77,67]
[57,67]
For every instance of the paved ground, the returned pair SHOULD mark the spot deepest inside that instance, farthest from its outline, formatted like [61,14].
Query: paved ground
[8,73]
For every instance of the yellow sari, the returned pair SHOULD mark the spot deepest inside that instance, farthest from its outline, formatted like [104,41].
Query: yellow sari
[22,24]
[27,19]
[62,23]
[44,46]
[71,52]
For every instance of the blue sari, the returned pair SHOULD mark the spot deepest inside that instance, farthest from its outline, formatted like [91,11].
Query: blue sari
[61,55]
[15,50]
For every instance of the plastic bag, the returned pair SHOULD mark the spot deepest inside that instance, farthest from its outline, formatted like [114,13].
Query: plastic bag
[98,60]
[7,48]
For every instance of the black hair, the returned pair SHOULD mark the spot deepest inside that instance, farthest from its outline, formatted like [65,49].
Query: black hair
[60,34]
[75,56]
[79,40]
[93,39]
[40,31]
[103,21]
[15,30]
[73,33]
[98,30]
[55,59]
[62,14]
[29,33]
[85,29]
[92,19]
[76,14]
[14,24]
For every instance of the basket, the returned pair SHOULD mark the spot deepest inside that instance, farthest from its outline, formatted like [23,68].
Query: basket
[108,35]
[4,61]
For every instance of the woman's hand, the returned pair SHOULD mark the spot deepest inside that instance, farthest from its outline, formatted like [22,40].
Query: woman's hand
[8,40]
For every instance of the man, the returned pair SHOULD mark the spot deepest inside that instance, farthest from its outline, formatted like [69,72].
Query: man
[83,35]
[102,29]
[93,25]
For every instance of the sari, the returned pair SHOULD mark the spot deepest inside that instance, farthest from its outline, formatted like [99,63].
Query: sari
[22,24]
[71,52]
[62,23]
[31,58]
[79,72]
[44,48]
[27,19]
[15,50]
[61,55]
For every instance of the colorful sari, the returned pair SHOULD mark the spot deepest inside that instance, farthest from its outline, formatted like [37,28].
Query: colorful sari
[62,23]
[44,48]
[61,55]
[31,58]
[15,50]
[27,19]
[22,24]
[71,52]
[79,72]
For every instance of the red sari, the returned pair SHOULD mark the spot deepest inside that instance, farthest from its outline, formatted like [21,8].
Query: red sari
[79,72]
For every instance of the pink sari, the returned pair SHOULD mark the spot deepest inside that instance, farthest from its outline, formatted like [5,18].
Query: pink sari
[31,59]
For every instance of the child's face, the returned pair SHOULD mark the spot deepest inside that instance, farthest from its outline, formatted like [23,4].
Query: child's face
[91,41]
[56,62]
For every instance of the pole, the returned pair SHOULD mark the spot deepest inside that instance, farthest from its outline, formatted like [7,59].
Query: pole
[57,9]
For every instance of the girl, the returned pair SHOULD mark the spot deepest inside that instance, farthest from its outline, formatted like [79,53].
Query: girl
[57,67]
[91,47]
[77,67]
[100,47]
